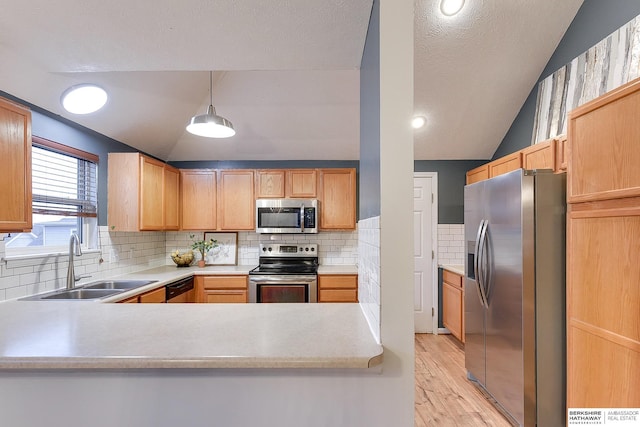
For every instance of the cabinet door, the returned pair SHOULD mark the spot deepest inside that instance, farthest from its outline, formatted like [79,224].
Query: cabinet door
[151,194]
[15,163]
[236,201]
[540,156]
[123,199]
[301,183]
[171,198]
[452,309]
[505,164]
[270,183]
[198,199]
[603,147]
[603,300]
[561,153]
[155,296]
[478,174]
[337,199]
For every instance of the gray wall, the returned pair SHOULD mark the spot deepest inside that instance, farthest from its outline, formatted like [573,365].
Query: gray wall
[451,182]
[595,20]
[55,128]
[370,120]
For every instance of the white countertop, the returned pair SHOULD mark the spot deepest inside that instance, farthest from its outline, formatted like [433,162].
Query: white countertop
[337,269]
[454,268]
[90,335]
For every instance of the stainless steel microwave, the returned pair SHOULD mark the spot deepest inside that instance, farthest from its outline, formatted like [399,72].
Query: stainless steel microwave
[286,216]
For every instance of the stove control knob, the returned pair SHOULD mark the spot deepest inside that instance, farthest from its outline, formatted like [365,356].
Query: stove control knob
[270,249]
[306,249]
[313,249]
[300,250]
[264,249]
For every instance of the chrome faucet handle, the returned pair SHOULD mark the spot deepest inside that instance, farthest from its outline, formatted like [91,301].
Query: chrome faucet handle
[82,276]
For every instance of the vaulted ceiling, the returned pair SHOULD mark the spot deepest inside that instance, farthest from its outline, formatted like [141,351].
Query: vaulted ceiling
[286,73]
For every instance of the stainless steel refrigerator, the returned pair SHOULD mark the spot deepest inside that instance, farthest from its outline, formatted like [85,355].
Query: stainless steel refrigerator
[515,293]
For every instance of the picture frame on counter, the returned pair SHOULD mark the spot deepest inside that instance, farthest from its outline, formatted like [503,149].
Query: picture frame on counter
[226,253]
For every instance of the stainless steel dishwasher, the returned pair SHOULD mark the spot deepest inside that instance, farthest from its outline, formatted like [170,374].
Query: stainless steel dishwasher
[180,291]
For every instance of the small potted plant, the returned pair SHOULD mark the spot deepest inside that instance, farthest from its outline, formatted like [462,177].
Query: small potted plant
[203,246]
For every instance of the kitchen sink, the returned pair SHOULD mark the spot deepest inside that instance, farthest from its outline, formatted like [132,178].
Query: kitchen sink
[91,291]
[118,284]
[82,294]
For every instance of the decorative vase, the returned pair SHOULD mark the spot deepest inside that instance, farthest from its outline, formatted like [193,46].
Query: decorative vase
[201,263]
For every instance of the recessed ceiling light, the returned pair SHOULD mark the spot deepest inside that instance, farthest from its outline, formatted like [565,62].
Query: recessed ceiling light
[418,121]
[451,7]
[83,99]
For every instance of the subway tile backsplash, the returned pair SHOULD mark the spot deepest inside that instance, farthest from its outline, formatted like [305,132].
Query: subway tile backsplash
[451,244]
[125,252]
[369,271]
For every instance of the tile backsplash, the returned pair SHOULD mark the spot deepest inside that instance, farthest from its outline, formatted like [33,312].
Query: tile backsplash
[123,252]
[369,271]
[451,244]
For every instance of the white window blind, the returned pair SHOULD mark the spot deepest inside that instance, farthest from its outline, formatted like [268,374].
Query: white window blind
[64,183]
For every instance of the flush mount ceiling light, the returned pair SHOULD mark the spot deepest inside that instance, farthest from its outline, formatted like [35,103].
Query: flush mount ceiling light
[418,121]
[210,125]
[451,7]
[83,99]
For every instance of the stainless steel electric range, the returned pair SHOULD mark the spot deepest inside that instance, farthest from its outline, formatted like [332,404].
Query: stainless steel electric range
[286,273]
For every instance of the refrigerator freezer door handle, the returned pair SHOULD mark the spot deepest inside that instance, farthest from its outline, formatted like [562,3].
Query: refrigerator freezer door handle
[484,262]
[479,274]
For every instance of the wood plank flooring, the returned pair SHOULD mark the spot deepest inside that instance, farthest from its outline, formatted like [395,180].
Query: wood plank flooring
[443,395]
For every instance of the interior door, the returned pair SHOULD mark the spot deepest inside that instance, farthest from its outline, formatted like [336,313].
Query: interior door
[424,220]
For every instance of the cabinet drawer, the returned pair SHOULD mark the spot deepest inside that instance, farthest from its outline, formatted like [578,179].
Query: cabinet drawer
[225,282]
[338,281]
[338,295]
[231,296]
[452,278]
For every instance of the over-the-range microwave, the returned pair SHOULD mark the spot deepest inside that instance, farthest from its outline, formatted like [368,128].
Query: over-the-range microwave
[286,216]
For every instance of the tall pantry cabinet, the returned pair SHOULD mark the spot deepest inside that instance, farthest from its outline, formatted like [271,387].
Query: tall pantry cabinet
[603,245]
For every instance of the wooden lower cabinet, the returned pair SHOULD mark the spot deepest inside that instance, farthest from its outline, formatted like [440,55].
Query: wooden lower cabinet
[155,296]
[338,288]
[453,303]
[221,289]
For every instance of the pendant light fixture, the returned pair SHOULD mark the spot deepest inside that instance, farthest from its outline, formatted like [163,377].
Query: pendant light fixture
[210,125]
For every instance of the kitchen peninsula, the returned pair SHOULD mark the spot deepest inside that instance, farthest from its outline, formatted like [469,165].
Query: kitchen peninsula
[94,335]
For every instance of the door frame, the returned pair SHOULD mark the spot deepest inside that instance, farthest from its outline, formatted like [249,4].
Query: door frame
[434,243]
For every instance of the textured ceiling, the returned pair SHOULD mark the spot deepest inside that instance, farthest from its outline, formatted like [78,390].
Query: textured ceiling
[286,72]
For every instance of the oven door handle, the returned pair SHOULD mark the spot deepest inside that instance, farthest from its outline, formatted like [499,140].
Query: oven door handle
[280,279]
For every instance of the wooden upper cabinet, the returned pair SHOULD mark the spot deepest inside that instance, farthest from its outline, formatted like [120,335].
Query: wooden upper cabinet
[289,183]
[603,146]
[236,200]
[561,153]
[505,164]
[15,163]
[151,197]
[171,198]
[142,193]
[478,174]
[198,202]
[270,183]
[301,183]
[337,196]
[540,156]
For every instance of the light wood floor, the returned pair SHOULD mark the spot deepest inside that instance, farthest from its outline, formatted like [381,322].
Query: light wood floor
[443,395]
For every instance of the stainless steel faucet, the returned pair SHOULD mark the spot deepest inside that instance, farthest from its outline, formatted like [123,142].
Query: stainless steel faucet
[71,276]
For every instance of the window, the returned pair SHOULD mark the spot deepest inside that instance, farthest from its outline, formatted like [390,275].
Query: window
[64,182]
